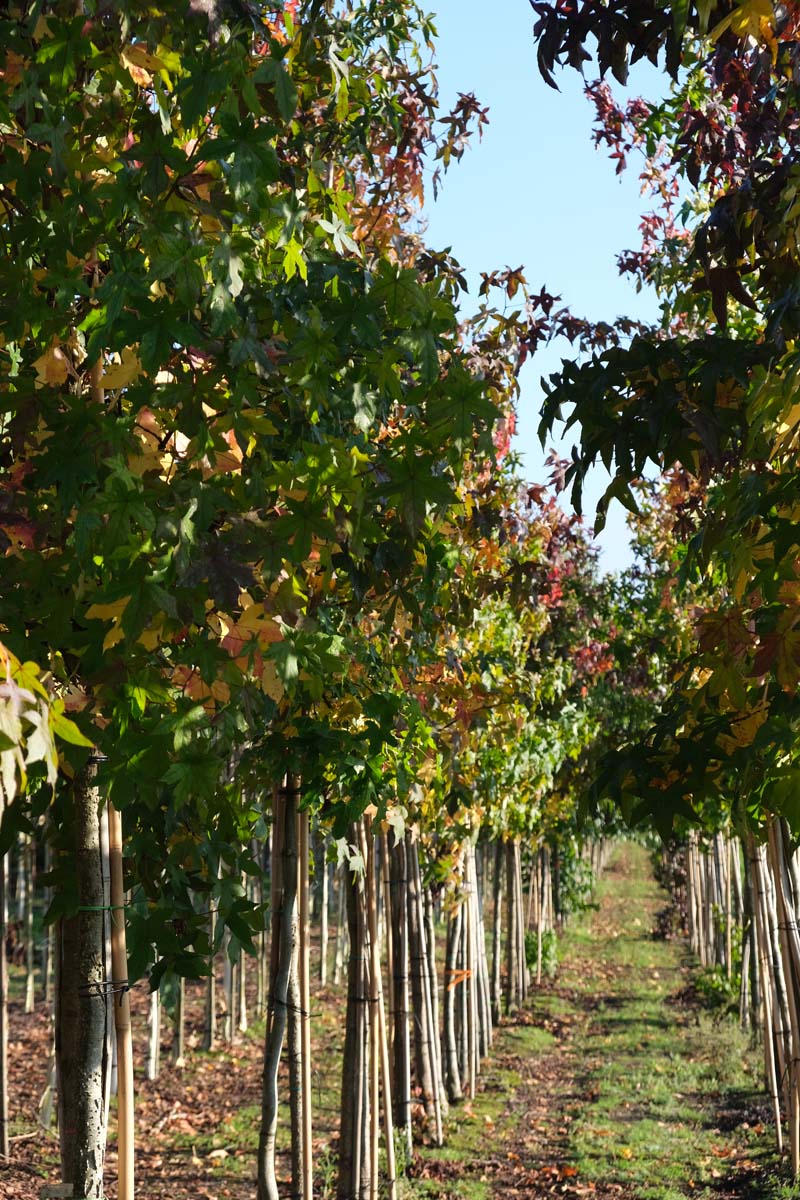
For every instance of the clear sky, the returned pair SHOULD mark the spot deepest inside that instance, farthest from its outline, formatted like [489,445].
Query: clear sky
[536,193]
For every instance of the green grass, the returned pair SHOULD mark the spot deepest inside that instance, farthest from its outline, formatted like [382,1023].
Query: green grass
[646,1092]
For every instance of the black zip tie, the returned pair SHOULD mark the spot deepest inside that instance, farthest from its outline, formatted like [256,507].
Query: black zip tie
[289,1007]
[102,988]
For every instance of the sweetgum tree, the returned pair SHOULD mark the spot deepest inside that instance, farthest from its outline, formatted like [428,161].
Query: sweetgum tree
[233,404]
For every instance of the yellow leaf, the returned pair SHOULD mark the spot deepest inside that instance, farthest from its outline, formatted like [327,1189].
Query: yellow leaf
[151,638]
[270,683]
[139,64]
[748,20]
[52,367]
[104,612]
[119,375]
[265,629]
[744,729]
[112,612]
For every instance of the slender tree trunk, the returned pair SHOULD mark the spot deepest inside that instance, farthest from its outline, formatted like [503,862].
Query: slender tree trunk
[512,948]
[453,983]
[353,1182]
[154,1040]
[4,1107]
[790,949]
[304,980]
[401,1043]
[210,1023]
[482,966]
[433,989]
[341,927]
[109,1055]
[497,910]
[428,1070]
[178,1049]
[122,1011]
[241,980]
[48,955]
[227,991]
[294,1046]
[261,955]
[754,858]
[284,925]
[81,1021]
[29,858]
[323,913]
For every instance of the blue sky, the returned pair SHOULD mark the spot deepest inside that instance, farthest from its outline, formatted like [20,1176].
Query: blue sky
[536,193]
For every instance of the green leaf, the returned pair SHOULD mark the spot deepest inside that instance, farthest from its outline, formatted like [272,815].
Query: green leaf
[67,730]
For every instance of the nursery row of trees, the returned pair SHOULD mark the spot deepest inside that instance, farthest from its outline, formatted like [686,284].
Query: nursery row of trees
[707,398]
[267,562]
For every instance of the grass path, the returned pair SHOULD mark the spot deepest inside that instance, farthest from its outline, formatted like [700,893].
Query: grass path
[615,1083]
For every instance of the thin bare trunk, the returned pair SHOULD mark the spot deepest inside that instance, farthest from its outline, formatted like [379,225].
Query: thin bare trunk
[353,1182]
[81,1021]
[453,983]
[497,910]
[178,1049]
[401,1044]
[122,1011]
[284,924]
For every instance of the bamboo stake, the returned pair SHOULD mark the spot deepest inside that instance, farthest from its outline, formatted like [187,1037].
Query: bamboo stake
[766,989]
[3,1005]
[390,951]
[305,1009]
[791,994]
[323,915]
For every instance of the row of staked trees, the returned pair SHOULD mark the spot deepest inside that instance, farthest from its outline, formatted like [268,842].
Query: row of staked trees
[707,400]
[268,571]
[267,565]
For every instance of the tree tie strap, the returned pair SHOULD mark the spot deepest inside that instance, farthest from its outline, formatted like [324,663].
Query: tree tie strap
[101,988]
[273,1001]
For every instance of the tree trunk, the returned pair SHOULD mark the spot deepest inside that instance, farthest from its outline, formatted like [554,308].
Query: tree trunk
[284,925]
[353,1182]
[512,957]
[497,910]
[453,983]
[323,913]
[122,1011]
[178,1049]
[341,927]
[401,1043]
[210,1023]
[425,1055]
[154,1039]
[29,860]
[379,1047]
[4,1109]
[81,1017]
[304,1182]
